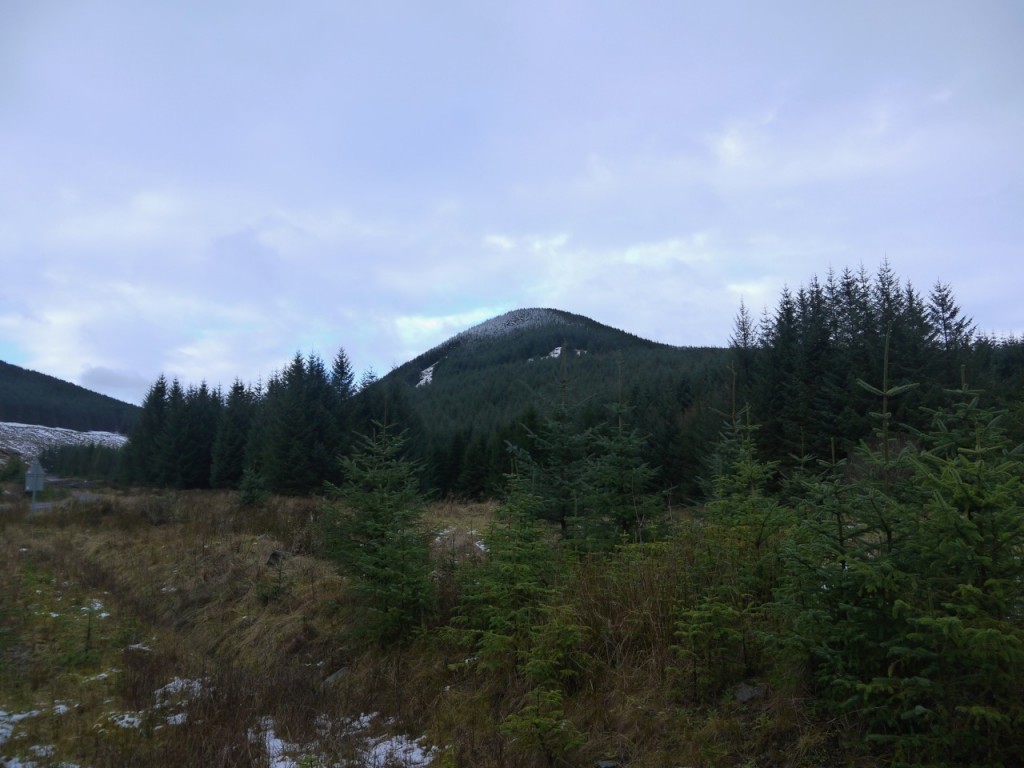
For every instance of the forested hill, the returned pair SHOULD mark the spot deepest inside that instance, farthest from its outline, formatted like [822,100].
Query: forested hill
[28,397]
[808,376]
[460,404]
[469,397]
[520,336]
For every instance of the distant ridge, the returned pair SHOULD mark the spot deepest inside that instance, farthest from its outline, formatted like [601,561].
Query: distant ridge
[519,335]
[29,397]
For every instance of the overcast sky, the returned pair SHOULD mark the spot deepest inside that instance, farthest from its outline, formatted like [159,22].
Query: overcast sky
[202,189]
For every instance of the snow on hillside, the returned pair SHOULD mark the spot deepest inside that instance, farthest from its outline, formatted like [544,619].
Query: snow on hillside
[30,440]
[426,375]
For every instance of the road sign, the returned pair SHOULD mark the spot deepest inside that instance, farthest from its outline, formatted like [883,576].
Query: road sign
[34,477]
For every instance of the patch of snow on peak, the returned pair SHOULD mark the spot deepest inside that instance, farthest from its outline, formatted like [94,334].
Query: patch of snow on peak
[556,352]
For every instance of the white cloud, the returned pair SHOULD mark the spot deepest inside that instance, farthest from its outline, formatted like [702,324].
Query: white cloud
[418,333]
[501,242]
[731,146]
[691,250]
[146,217]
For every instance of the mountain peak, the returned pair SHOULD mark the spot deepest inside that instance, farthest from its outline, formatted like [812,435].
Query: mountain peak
[511,322]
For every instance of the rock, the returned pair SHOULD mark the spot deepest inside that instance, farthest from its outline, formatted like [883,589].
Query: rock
[277,557]
[333,679]
[746,692]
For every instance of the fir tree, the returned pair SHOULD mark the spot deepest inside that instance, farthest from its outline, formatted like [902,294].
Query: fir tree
[143,461]
[233,430]
[379,540]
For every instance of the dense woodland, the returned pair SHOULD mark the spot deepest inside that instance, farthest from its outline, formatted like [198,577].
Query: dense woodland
[28,397]
[832,508]
[795,369]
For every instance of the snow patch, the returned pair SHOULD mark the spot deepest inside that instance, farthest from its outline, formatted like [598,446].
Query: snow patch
[427,376]
[126,719]
[394,751]
[30,440]
[8,721]
[180,685]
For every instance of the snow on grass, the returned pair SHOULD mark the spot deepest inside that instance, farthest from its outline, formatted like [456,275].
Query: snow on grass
[126,719]
[30,440]
[189,688]
[95,607]
[392,751]
[8,721]
[278,750]
[397,750]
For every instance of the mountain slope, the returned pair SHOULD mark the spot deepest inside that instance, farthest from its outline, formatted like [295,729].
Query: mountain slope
[28,397]
[466,398]
[519,336]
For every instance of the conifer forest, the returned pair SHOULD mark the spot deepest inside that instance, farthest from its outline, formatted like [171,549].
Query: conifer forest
[804,549]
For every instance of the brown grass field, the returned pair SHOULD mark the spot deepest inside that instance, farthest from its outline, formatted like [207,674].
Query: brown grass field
[157,629]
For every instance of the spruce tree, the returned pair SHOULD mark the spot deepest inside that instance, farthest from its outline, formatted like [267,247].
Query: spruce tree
[617,486]
[951,334]
[233,429]
[379,540]
[172,441]
[143,460]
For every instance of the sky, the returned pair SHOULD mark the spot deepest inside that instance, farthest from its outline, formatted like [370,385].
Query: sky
[202,189]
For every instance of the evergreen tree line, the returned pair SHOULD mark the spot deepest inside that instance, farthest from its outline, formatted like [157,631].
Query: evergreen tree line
[288,435]
[284,436]
[468,420]
[798,367]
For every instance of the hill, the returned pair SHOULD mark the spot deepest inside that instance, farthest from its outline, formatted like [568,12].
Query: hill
[469,396]
[28,397]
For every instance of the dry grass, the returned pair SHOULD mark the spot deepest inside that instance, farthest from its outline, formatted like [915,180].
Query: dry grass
[193,591]
[188,591]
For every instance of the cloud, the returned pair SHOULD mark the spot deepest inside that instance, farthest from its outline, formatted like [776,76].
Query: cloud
[668,252]
[420,332]
[146,217]
[126,385]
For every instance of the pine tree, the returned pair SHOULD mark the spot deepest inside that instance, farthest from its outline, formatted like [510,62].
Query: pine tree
[503,598]
[299,442]
[233,429]
[555,459]
[617,486]
[379,540]
[172,441]
[201,416]
[743,345]
[143,462]
[342,377]
[951,336]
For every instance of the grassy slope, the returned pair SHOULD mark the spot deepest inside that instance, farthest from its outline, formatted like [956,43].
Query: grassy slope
[187,576]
